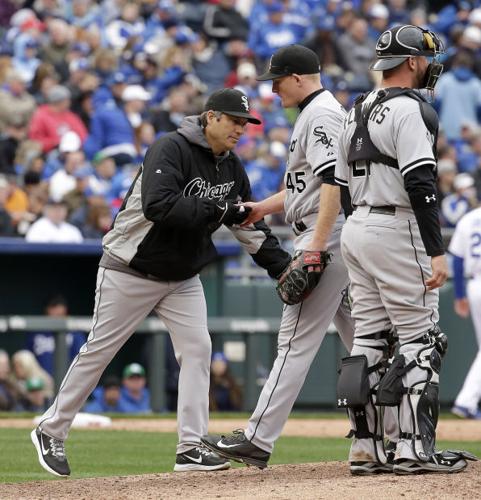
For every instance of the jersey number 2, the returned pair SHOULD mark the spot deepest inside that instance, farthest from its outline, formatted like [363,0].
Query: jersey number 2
[475,245]
[299,183]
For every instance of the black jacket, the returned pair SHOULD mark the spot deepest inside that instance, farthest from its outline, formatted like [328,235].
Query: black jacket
[164,227]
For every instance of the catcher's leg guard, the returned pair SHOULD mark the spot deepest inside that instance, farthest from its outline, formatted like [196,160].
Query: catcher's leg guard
[419,408]
[359,377]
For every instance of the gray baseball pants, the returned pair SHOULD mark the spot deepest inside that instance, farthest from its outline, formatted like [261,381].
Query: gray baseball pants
[122,302]
[302,330]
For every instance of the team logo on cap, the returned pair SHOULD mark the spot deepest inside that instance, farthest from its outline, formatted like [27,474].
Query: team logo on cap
[245,102]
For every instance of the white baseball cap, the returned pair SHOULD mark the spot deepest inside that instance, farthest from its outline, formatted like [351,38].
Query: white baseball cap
[70,142]
[135,93]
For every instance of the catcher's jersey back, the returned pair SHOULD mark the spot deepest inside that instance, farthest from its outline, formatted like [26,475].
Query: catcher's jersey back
[397,129]
[313,148]
[466,242]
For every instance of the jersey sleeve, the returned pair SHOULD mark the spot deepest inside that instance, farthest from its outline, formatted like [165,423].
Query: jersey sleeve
[321,142]
[413,141]
[457,245]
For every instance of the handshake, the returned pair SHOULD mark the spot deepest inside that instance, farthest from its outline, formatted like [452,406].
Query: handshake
[230,213]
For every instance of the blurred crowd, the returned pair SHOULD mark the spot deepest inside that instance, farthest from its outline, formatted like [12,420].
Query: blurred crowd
[86,86]
[27,377]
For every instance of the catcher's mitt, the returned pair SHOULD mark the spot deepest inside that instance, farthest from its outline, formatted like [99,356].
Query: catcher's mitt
[302,275]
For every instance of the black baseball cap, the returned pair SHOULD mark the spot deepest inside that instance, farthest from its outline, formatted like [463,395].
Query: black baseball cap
[231,102]
[292,59]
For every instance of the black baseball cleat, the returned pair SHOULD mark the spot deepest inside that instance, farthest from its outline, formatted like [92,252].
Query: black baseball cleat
[237,447]
[369,468]
[444,462]
[200,459]
[51,453]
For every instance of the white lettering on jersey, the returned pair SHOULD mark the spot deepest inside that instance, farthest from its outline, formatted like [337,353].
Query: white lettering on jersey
[202,189]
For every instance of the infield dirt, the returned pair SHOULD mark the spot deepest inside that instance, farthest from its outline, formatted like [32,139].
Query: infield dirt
[300,481]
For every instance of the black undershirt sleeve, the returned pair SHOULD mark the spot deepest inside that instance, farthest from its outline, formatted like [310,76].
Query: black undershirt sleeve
[346,201]
[420,185]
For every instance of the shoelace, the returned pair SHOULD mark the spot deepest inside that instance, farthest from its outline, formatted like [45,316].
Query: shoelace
[203,451]
[235,437]
[58,449]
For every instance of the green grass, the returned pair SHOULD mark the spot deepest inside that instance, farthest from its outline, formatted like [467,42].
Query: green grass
[99,453]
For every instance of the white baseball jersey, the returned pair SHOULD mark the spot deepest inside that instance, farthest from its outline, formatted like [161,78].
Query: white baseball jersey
[466,242]
[313,149]
[397,129]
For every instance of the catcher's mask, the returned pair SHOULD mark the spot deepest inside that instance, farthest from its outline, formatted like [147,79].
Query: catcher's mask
[396,45]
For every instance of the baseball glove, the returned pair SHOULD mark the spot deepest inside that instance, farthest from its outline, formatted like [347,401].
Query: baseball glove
[302,275]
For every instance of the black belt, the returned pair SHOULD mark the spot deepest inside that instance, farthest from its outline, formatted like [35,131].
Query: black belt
[383,209]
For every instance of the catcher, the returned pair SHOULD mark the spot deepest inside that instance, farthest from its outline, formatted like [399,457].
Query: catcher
[312,286]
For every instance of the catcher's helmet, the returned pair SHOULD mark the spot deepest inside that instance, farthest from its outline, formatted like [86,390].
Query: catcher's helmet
[395,45]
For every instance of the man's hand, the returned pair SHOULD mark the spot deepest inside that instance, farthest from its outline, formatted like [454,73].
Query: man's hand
[461,306]
[256,212]
[439,266]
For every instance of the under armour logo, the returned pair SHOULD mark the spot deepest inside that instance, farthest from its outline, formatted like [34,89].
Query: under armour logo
[359,144]
[359,414]
[245,102]
[431,198]
[342,402]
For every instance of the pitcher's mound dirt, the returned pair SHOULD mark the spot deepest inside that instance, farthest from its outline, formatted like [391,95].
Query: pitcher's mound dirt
[307,481]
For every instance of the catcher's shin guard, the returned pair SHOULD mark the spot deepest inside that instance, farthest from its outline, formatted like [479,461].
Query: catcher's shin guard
[359,377]
[419,409]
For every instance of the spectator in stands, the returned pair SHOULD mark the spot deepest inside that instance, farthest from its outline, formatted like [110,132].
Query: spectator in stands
[56,46]
[110,91]
[209,63]
[224,392]
[455,205]
[174,111]
[52,227]
[223,22]
[106,399]
[63,180]
[26,60]
[50,121]
[15,101]
[98,220]
[14,132]
[100,183]
[42,343]
[446,174]
[6,224]
[322,42]
[266,38]
[357,50]
[112,127]
[9,393]
[35,398]
[17,202]
[266,173]
[78,196]
[378,15]
[458,94]
[25,367]
[135,397]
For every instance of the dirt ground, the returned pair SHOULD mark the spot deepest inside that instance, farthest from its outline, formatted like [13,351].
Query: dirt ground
[305,481]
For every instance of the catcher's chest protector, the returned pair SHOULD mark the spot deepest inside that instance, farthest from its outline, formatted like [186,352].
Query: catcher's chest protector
[362,149]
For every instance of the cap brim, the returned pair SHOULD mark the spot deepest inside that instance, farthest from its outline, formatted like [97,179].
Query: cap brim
[388,63]
[269,76]
[250,118]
